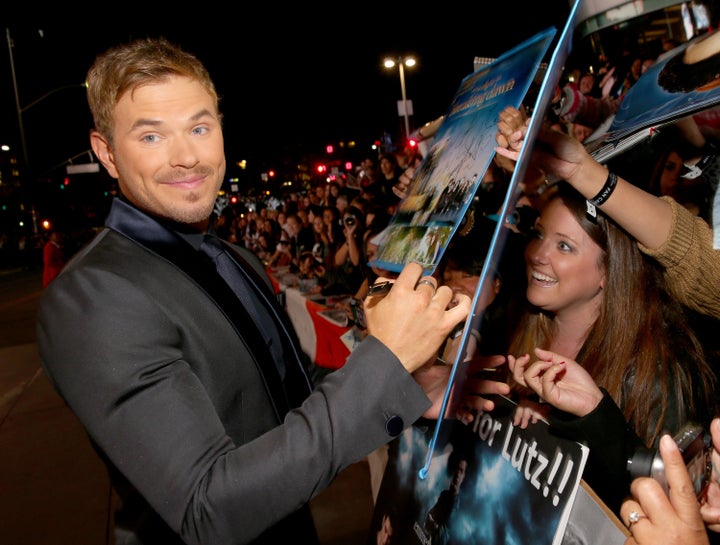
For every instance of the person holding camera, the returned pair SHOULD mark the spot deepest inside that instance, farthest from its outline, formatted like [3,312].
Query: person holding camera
[346,276]
[655,517]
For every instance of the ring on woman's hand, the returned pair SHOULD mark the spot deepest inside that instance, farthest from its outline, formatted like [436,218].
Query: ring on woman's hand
[427,282]
[634,517]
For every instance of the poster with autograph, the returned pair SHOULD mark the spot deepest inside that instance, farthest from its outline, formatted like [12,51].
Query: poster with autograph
[444,185]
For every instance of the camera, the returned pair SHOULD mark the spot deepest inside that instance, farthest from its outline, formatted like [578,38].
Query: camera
[694,443]
[349,220]
[523,217]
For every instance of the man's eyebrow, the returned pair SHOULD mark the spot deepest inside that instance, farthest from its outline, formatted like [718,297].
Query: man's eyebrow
[145,122]
[149,122]
[202,113]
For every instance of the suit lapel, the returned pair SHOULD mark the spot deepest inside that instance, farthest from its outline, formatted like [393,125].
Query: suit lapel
[169,246]
[298,385]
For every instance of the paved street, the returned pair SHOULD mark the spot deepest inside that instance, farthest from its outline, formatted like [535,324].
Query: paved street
[19,295]
[54,488]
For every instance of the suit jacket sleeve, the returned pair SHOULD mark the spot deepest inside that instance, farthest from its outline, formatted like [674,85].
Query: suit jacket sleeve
[168,392]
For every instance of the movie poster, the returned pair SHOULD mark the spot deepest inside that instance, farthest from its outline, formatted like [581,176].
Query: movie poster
[489,482]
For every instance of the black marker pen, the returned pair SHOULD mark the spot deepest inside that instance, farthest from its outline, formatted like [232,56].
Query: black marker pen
[381,288]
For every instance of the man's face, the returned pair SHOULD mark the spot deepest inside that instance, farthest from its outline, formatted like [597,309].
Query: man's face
[293,226]
[459,475]
[168,151]
[587,82]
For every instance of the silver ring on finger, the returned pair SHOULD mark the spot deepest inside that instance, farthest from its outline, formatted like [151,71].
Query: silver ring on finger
[427,283]
[634,517]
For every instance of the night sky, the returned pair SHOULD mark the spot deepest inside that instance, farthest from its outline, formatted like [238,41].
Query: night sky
[287,79]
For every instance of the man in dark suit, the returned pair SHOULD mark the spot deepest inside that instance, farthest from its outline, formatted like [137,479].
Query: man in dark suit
[186,373]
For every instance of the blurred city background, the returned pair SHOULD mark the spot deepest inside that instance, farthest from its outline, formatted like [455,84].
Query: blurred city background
[305,103]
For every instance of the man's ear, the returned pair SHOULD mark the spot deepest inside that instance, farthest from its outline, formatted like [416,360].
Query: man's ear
[102,150]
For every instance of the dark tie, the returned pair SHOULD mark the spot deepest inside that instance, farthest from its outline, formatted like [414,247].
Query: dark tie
[259,303]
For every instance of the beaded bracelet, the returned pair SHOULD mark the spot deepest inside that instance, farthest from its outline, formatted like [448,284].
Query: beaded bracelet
[602,196]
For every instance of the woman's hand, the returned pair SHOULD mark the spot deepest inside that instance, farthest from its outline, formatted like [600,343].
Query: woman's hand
[474,381]
[400,189]
[482,377]
[530,412]
[661,518]
[555,154]
[558,380]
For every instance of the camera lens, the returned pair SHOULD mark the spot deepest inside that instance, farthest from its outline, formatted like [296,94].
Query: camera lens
[350,220]
[524,219]
[694,444]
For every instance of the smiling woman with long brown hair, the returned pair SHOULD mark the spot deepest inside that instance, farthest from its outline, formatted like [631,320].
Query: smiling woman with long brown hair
[594,298]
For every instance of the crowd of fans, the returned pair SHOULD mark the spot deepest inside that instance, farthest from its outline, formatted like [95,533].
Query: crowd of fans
[329,235]
[324,234]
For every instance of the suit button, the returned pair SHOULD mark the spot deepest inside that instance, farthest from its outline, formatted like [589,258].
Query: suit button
[394,426]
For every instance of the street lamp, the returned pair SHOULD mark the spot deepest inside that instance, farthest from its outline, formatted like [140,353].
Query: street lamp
[401,63]
[21,110]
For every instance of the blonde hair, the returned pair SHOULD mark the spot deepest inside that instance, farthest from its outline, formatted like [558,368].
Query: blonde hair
[126,67]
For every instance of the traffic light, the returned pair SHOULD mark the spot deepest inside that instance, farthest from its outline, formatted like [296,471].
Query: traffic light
[66,182]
